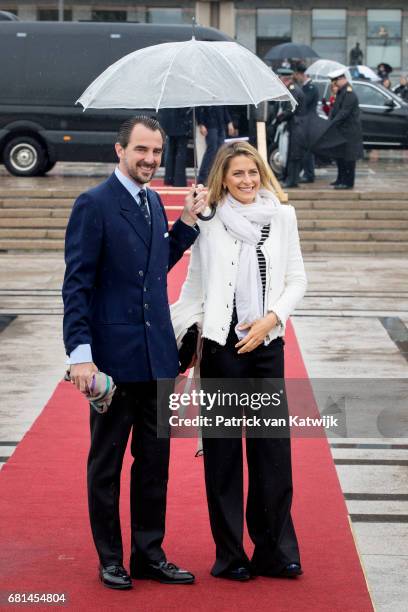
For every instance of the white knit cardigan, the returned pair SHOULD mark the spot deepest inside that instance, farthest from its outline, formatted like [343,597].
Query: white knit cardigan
[207,295]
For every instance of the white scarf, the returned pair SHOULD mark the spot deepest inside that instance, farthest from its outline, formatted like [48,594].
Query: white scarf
[245,222]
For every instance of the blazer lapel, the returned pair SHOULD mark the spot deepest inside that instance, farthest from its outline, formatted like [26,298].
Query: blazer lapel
[158,226]
[129,209]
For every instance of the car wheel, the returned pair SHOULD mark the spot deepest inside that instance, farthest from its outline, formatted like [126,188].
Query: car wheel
[24,156]
[275,160]
[48,165]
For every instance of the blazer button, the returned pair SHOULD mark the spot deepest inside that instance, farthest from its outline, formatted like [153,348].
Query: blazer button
[148,323]
[140,272]
[146,306]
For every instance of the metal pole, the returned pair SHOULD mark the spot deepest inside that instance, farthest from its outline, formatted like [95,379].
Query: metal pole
[60,10]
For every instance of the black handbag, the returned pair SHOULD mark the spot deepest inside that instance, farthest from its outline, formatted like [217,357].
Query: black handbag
[188,347]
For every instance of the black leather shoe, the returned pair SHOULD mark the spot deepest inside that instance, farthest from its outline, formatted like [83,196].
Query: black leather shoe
[333,183]
[306,180]
[291,571]
[341,186]
[164,572]
[290,185]
[240,573]
[115,577]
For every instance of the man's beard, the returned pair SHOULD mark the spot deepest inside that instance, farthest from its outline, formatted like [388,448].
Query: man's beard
[138,177]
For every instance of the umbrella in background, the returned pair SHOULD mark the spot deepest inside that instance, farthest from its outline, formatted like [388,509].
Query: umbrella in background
[364,72]
[322,68]
[290,50]
[191,73]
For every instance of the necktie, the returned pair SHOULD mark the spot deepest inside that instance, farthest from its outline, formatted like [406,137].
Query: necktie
[143,205]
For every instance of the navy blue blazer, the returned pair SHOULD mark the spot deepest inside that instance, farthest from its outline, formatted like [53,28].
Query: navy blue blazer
[115,284]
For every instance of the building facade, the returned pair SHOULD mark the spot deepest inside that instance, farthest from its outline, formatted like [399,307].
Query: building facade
[331,27]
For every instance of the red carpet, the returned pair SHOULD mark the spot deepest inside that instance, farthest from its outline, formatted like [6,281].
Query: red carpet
[46,544]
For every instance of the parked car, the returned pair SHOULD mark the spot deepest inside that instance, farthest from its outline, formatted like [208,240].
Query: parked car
[45,69]
[384,115]
[384,118]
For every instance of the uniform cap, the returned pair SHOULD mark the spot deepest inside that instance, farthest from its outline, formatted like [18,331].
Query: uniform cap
[284,71]
[339,72]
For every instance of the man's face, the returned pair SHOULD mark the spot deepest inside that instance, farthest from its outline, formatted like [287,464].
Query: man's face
[300,77]
[340,82]
[142,156]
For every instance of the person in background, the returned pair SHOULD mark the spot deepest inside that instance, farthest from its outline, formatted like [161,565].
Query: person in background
[402,89]
[386,83]
[214,122]
[246,276]
[177,123]
[293,118]
[327,105]
[345,114]
[311,95]
[384,70]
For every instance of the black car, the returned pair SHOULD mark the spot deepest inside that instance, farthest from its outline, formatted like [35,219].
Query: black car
[384,115]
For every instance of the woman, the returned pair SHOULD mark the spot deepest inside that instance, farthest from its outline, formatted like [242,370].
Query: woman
[246,276]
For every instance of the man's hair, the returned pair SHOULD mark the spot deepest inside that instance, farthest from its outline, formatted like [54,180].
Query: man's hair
[127,126]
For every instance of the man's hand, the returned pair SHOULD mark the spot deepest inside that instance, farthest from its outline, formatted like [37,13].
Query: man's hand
[81,375]
[231,129]
[258,330]
[196,202]
[203,130]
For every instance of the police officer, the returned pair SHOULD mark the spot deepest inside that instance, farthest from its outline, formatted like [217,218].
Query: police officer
[345,115]
[293,117]
[311,94]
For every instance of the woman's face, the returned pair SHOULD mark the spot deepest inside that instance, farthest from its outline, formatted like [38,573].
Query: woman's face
[242,179]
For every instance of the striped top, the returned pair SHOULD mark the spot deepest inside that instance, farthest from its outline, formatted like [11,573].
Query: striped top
[261,258]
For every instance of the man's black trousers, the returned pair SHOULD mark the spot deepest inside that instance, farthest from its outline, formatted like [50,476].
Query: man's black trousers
[269,466]
[346,172]
[133,409]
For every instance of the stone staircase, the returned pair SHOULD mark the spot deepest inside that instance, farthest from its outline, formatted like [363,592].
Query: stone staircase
[329,221]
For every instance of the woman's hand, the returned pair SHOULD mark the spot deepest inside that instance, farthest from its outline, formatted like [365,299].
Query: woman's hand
[196,202]
[258,330]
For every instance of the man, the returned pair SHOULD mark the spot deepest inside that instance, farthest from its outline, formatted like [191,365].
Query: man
[293,118]
[116,319]
[402,89]
[177,123]
[356,55]
[345,115]
[311,95]
[213,121]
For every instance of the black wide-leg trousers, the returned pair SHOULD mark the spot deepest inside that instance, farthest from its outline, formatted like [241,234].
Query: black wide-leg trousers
[133,409]
[268,509]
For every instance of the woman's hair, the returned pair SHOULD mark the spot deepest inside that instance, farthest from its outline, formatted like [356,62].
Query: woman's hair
[216,191]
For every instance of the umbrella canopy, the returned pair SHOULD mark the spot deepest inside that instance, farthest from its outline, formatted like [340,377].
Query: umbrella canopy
[322,68]
[180,74]
[290,50]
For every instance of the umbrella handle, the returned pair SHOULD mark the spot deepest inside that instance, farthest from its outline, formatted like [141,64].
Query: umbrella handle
[207,217]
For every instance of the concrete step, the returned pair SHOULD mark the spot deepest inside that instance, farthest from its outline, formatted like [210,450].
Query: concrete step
[334,214]
[354,247]
[56,222]
[357,235]
[36,203]
[357,224]
[31,233]
[31,245]
[350,204]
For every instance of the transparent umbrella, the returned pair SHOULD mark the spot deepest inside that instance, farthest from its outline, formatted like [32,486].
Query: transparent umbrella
[181,74]
[323,67]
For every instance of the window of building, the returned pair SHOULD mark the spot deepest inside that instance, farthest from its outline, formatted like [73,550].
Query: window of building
[329,33]
[273,27]
[52,14]
[384,37]
[107,15]
[170,15]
